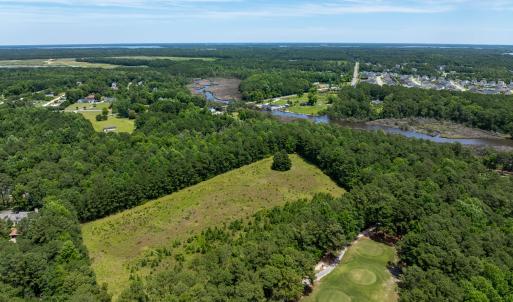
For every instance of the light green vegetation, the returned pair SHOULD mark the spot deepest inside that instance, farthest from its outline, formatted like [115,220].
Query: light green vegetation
[121,240]
[296,101]
[165,58]
[51,63]
[122,124]
[362,276]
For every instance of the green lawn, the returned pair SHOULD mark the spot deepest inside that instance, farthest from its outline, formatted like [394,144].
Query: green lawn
[122,124]
[70,62]
[296,101]
[362,276]
[118,242]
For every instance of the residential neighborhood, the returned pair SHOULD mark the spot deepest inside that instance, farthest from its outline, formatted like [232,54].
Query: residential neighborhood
[437,83]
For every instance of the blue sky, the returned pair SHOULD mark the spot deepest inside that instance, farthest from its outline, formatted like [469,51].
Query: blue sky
[175,21]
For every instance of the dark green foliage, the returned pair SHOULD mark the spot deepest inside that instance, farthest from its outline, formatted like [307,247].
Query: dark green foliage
[266,261]
[450,214]
[267,85]
[281,161]
[48,261]
[101,117]
[489,112]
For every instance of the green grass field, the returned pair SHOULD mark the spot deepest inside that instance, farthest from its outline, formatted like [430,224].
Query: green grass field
[296,101]
[122,124]
[165,58]
[362,276]
[51,63]
[121,240]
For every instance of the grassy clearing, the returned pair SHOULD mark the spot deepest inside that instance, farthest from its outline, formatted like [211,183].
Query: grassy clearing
[35,63]
[165,58]
[121,240]
[122,124]
[296,101]
[361,277]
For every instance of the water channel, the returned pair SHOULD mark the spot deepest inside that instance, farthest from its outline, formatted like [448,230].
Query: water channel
[324,119]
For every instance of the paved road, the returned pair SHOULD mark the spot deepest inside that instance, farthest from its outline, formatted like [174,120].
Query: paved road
[356,74]
[328,268]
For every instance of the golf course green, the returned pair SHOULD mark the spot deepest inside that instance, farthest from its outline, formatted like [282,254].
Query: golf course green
[362,276]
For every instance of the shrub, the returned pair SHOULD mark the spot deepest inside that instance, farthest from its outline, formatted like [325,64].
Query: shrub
[281,161]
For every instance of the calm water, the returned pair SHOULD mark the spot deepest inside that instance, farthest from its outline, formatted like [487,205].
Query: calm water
[210,96]
[407,133]
[324,119]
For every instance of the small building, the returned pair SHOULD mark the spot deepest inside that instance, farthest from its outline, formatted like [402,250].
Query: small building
[90,99]
[14,217]
[110,129]
[13,235]
[114,86]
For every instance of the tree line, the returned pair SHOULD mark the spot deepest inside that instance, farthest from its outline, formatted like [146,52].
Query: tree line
[488,112]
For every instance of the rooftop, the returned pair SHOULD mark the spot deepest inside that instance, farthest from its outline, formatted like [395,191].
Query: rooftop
[13,216]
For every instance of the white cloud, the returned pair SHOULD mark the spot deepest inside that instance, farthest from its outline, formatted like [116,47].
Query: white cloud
[198,9]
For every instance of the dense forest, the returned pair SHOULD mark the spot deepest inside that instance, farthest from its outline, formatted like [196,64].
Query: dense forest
[416,190]
[453,217]
[469,62]
[370,102]
[450,211]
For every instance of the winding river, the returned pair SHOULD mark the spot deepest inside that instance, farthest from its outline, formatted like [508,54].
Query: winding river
[324,119]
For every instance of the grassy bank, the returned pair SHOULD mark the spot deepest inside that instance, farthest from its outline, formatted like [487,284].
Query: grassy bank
[118,241]
[362,276]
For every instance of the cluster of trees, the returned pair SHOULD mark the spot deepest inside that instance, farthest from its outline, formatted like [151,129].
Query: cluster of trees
[281,161]
[502,161]
[265,259]
[489,112]
[49,261]
[267,85]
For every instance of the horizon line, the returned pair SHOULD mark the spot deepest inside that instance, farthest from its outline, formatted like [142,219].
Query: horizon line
[252,43]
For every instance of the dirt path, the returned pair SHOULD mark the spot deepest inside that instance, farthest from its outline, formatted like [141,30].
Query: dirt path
[325,268]
[356,74]
[54,100]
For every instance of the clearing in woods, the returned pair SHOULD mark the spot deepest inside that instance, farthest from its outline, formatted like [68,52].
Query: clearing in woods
[362,276]
[90,111]
[121,124]
[121,240]
[39,63]
[297,104]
